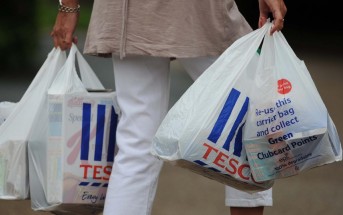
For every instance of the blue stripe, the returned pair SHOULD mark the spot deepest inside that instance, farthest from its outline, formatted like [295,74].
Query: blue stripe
[112,138]
[214,169]
[83,183]
[237,122]
[95,184]
[224,116]
[105,185]
[238,142]
[99,139]
[200,162]
[86,126]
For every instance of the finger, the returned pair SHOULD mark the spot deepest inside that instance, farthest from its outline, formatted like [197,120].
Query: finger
[68,40]
[61,43]
[262,20]
[278,22]
[278,25]
[64,45]
[53,39]
[279,13]
[264,12]
[56,40]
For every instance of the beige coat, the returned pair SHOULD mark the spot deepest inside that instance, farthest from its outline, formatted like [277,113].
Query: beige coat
[166,28]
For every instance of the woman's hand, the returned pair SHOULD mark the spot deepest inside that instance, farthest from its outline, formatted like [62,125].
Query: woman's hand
[278,10]
[65,25]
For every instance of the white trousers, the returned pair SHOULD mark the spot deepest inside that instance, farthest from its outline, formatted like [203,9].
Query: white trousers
[142,87]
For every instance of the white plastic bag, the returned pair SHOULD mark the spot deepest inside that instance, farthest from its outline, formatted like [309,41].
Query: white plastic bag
[71,158]
[5,110]
[203,130]
[15,131]
[288,129]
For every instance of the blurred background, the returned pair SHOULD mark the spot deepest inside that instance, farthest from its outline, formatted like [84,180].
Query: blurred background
[314,29]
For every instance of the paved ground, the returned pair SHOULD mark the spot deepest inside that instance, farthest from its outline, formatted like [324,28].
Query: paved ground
[180,192]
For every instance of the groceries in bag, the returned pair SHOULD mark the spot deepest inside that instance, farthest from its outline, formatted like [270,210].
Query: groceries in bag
[76,152]
[16,129]
[203,130]
[288,128]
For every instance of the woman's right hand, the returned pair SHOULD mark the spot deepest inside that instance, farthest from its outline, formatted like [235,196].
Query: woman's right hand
[65,25]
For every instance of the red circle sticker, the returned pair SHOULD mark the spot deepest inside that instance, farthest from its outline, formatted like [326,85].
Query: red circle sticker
[284,86]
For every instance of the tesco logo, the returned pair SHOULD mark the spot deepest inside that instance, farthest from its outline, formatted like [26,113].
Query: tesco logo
[224,155]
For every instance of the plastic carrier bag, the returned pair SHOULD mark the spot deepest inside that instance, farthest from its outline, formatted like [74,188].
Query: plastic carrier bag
[15,131]
[5,110]
[203,130]
[71,155]
[288,128]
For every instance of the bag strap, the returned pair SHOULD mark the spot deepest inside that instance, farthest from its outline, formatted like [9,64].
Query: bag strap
[88,77]
[26,109]
[68,81]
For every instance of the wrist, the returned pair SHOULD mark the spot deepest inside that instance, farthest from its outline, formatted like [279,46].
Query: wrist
[69,6]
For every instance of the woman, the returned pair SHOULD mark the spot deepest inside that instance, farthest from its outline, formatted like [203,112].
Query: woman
[142,36]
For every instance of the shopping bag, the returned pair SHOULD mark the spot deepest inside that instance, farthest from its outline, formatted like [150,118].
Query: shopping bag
[15,130]
[203,130]
[71,158]
[288,129]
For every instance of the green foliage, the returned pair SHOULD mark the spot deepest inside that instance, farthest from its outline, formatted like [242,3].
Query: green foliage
[21,26]
[18,36]
[47,11]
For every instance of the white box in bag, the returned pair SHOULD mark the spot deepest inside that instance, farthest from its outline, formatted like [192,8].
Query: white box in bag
[81,147]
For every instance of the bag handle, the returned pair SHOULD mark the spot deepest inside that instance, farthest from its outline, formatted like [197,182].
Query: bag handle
[68,81]
[255,39]
[88,77]
[24,112]
[236,57]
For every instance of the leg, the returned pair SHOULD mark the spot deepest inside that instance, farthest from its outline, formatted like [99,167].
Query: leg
[246,211]
[196,66]
[142,87]
[240,203]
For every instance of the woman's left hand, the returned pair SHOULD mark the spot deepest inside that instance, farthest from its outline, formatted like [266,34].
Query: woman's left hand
[278,10]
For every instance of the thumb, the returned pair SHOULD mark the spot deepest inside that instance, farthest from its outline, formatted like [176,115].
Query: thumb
[75,39]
